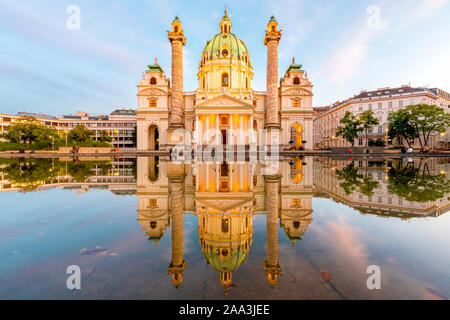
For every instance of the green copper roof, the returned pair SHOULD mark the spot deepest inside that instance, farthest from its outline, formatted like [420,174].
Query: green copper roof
[272,18]
[155,67]
[176,19]
[238,257]
[296,67]
[237,45]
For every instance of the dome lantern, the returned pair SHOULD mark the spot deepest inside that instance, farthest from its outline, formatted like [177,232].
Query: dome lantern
[225,23]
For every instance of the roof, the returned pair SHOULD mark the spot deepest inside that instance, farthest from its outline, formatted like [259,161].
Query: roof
[36,115]
[155,67]
[382,92]
[295,67]
[230,39]
[126,112]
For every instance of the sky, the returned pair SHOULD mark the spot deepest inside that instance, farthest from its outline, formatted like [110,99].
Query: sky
[48,66]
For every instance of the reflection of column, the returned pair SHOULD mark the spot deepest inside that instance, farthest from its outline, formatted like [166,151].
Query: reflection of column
[231,177]
[207,177]
[217,177]
[271,265]
[178,264]
[240,177]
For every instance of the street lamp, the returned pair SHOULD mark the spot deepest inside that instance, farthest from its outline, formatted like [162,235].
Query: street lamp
[65,131]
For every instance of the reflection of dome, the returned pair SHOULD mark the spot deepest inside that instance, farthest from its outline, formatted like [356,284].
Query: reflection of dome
[225,259]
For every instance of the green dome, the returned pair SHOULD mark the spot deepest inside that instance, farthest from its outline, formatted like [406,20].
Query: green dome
[231,40]
[238,257]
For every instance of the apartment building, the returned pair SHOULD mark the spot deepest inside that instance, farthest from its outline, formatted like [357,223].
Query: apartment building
[120,124]
[382,102]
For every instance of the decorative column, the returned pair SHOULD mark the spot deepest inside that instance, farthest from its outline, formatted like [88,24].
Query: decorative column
[177,40]
[178,264]
[272,265]
[271,39]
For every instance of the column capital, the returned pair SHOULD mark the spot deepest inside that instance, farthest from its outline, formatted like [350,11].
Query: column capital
[176,36]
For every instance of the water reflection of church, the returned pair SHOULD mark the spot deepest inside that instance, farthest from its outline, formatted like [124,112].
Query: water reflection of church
[224,197]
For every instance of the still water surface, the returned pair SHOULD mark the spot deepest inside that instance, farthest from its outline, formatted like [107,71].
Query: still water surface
[146,228]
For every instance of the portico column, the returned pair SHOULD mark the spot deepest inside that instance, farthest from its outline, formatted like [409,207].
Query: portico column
[240,130]
[217,130]
[207,129]
[231,142]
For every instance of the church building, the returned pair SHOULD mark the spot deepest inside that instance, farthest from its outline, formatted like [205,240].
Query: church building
[225,108]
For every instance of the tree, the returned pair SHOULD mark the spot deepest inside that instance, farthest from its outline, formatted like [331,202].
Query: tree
[427,119]
[80,135]
[26,130]
[368,120]
[401,125]
[105,137]
[350,129]
[416,183]
[353,180]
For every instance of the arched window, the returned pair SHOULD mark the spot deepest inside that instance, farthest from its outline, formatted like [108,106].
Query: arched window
[204,83]
[153,80]
[225,224]
[225,79]
[225,52]
[246,83]
[176,28]
[296,80]
[273,28]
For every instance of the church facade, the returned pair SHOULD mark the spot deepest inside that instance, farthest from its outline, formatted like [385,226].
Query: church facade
[225,109]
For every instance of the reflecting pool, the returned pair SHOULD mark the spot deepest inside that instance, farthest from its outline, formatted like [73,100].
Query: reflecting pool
[299,228]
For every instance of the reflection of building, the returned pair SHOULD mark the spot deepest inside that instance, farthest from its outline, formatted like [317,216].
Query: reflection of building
[382,102]
[118,177]
[377,200]
[225,197]
[225,105]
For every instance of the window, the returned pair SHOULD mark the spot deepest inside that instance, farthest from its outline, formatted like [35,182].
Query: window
[296,80]
[176,29]
[390,104]
[360,108]
[380,106]
[296,102]
[380,129]
[225,53]
[370,106]
[204,84]
[152,203]
[153,80]
[152,103]
[360,142]
[224,79]
[296,203]
[400,104]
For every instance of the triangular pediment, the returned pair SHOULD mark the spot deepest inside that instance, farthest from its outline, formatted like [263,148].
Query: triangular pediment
[224,100]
